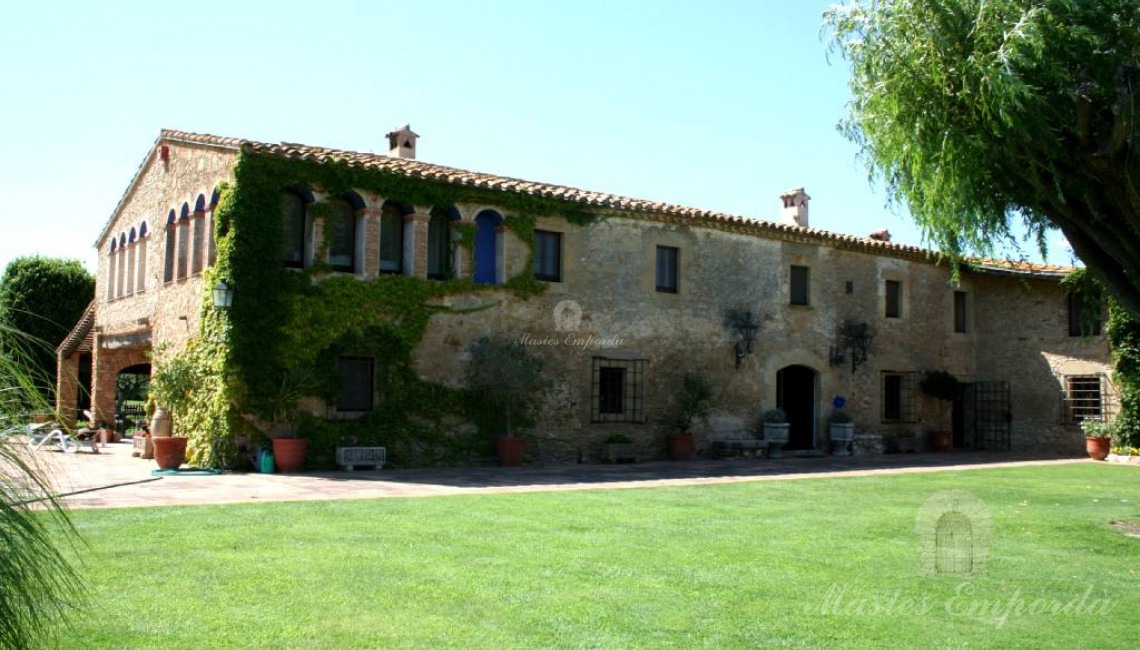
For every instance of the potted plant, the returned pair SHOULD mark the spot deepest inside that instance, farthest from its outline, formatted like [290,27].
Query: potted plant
[1098,438]
[946,388]
[842,432]
[775,425]
[284,409]
[170,387]
[618,448]
[693,402]
[507,381]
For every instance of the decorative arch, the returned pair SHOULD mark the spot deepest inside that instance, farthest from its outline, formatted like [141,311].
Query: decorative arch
[170,248]
[142,230]
[132,237]
[184,213]
[215,196]
[200,203]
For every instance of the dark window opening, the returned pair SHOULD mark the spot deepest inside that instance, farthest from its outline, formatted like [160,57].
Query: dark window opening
[548,256]
[960,325]
[293,225]
[894,299]
[356,389]
[341,229]
[439,245]
[667,274]
[1084,318]
[800,292]
[898,403]
[391,239]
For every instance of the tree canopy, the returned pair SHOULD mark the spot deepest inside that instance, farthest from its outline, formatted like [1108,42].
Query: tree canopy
[43,298]
[985,115]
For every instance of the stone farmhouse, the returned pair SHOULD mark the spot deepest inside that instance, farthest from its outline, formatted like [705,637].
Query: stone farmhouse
[374,273]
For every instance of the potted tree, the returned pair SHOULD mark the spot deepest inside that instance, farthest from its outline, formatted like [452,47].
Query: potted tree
[170,387]
[284,410]
[508,382]
[946,388]
[693,402]
[775,425]
[1098,438]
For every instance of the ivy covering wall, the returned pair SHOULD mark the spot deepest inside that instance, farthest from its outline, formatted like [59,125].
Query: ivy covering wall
[287,323]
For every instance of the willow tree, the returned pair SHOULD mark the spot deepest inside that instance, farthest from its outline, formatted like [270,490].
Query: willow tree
[38,586]
[984,116]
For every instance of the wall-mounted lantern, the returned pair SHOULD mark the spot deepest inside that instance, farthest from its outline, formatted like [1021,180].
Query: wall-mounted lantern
[744,323]
[223,295]
[853,339]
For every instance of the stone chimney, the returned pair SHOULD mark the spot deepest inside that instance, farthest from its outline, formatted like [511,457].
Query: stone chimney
[794,207]
[881,235]
[402,143]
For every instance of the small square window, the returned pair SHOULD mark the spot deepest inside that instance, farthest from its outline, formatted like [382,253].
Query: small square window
[800,293]
[667,258]
[618,390]
[894,299]
[1084,318]
[898,396]
[548,256]
[1086,397]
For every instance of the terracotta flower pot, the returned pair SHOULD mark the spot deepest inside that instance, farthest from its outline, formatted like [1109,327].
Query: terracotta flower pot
[1098,448]
[289,454]
[682,446]
[942,440]
[510,450]
[170,451]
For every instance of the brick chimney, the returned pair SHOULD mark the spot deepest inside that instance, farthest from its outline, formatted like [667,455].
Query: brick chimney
[794,207]
[402,143]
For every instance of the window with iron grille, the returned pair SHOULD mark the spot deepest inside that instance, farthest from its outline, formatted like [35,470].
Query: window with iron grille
[1086,397]
[898,396]
[618,390]
[356,375]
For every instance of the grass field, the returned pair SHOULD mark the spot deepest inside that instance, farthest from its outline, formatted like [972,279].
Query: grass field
[807,563]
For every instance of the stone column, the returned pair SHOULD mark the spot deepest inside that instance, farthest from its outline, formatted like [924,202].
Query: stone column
[67,388]
[104,376]
[371,238]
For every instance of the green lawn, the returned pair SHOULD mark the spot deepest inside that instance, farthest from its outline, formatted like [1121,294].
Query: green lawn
[722,566]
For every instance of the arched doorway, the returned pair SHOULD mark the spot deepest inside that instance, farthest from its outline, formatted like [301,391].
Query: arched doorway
[795,393]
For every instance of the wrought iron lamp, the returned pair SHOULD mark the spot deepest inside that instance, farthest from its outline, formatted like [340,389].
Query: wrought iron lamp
[855,339]
[223,295]
[746,326]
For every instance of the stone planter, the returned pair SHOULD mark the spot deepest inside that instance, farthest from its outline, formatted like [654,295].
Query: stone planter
[867,444]
[842,433]
[776,433]
[619,452]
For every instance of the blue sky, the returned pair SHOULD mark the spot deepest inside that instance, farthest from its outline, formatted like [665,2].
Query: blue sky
[715,104]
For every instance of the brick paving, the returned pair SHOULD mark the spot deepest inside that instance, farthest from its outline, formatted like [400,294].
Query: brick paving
[115,479]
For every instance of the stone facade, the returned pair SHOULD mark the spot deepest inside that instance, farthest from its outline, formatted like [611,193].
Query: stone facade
[606,311]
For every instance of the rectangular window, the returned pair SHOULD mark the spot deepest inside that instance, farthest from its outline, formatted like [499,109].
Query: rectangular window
[898,396]
[618,390]
[391,240]
[960,325]
[801,294]
[198,238]
[1084,319]
[667,276]
[894,299]
[547,256]
[1086,397]
[356,390]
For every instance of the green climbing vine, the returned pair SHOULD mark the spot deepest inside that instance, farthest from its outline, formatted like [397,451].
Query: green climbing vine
[284,319]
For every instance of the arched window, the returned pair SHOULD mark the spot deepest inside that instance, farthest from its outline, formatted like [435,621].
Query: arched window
[121,267]
[487,247]
[198,236]
[341,231]
[294,224]
[140,264]
[184,241]
[211,236]
[132,254]
[111,261]
[392,238]
[171,248]
[439,245]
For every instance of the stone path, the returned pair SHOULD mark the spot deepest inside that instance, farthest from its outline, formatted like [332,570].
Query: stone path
[114,479]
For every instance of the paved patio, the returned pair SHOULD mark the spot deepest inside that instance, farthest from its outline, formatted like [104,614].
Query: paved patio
[114,479]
